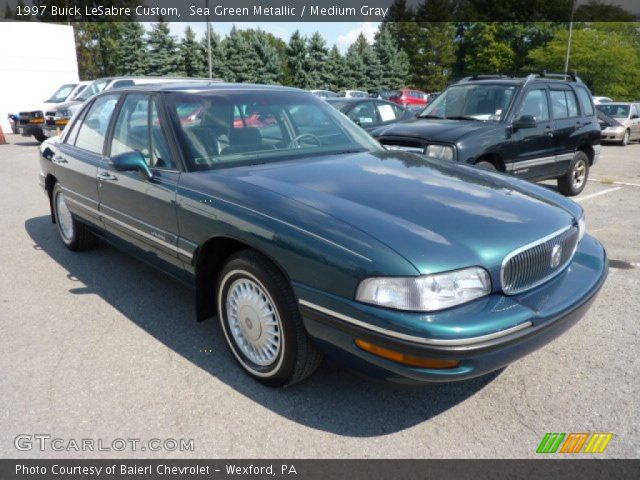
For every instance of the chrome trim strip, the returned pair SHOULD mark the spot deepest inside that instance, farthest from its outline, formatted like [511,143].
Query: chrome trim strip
[527,247]
[534,162]
[412,338]
[133,229]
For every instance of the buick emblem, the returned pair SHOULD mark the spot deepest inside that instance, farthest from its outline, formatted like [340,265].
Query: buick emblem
[556,256]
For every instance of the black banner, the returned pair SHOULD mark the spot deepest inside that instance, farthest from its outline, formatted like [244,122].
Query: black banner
[64,11]
[319,469]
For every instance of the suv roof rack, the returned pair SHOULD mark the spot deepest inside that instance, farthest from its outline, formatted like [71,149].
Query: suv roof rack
[532,76]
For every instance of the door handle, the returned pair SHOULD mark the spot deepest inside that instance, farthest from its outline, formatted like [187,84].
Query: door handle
[548,132]
[59,159]
[106,176]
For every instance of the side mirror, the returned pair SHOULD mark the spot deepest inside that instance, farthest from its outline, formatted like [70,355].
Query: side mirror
[132,161]
[525,121]
[633,117]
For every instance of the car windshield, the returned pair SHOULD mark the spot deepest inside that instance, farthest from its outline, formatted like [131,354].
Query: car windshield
[221,129]
[472,102]
[614,110]
[81,88]
[92,89]
[340,105]
[62,93]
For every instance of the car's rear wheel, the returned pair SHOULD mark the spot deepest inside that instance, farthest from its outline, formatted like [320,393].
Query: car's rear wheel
[74,234]
[575,179]
[486,166]
[625,139]
[261,321]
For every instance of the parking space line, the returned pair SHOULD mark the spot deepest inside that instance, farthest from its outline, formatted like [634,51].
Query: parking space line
[627,184]
[597,194]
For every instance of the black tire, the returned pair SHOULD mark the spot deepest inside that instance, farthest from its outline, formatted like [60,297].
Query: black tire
[79,237]
[575,179]
[40,137]
[486,166]
[625,140]
[296,357]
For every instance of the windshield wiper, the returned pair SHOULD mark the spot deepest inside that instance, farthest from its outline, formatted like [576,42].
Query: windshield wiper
[430,116]
[462,117]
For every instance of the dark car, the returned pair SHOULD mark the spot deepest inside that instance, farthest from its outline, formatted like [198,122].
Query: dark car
[370,113]
[537,128]
[305,237]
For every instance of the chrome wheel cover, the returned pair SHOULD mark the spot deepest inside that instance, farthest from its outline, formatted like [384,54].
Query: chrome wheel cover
[579,174]
[253,321]
[64,218]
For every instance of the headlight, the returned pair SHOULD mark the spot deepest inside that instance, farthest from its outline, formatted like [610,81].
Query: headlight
[582,227]
[64,114]
[426,293]
[442,152]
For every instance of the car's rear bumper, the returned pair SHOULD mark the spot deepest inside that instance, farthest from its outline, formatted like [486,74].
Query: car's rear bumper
[505,328]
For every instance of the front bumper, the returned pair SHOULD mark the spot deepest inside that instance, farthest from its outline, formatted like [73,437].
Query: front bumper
[484,335]
[52,130]
[612,135]
[28,129]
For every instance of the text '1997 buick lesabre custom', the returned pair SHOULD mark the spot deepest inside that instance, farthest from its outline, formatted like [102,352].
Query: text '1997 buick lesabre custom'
[305,237]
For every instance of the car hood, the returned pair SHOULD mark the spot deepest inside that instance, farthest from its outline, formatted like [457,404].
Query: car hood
[437,216]
[40,107]
[449,131]
[72,105]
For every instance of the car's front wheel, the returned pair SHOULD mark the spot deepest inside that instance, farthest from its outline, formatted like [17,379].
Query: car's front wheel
[575,179]
[40,137]
[74,234]
[625,139]
[261,321]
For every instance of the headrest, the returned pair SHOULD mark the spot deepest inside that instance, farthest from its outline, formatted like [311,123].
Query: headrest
[245,136]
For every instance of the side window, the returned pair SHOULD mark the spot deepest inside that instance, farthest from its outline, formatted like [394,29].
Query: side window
[73,133]
[363,114]
[586,104]
[94,127]
[535,104]
[131,132]
[572,103]
[559,104]
[386,111]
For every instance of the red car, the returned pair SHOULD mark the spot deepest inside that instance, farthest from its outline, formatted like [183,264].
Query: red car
[407,96]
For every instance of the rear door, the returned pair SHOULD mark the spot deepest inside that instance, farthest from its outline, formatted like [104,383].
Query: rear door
[568,125]
[531,151]
[134,208]
[79,155]
[635,121]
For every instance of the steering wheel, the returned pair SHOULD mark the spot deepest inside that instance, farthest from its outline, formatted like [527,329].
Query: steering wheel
[295,142]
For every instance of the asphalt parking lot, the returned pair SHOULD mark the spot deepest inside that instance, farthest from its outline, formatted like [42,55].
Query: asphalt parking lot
[98,345]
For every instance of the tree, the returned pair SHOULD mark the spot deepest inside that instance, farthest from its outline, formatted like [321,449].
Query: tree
[269,62]
[133,55]
[317,58]
[240,60]
[192,54]
[335,71]
[297,61]
[98,48]
[162,51]
[485,52]
[394,62]
[217,56]
[606,61]
[356,74]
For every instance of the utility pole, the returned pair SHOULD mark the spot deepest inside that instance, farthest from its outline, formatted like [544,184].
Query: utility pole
[566,60]
[209,41]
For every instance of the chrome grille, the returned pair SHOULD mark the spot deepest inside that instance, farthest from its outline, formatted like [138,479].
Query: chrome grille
[538,262]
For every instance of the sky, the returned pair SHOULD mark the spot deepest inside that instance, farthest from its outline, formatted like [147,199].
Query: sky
[341,34]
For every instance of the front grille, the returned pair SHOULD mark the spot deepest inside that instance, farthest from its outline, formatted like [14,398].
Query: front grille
[538,262]
[406,145]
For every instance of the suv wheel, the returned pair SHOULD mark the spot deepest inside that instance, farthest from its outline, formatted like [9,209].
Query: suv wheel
[486,166]
[625,139]
[575,179]
[261,321]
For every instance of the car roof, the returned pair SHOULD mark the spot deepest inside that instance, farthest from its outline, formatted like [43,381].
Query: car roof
[207,86]
[616,103]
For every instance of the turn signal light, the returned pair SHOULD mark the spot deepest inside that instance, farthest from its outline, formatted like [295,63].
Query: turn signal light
[405,359]
[62,121]
[37,120]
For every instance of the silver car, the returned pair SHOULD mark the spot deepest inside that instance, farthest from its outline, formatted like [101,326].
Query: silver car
[628,115]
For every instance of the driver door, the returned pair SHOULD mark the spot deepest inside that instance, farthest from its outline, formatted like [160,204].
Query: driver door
[531,151]
[137,209]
